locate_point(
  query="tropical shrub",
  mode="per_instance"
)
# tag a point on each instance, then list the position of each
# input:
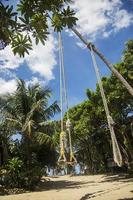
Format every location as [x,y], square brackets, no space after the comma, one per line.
[15,175]
[11,173]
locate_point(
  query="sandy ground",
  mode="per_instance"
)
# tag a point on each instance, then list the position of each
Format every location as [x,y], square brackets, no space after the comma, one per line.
[96,187]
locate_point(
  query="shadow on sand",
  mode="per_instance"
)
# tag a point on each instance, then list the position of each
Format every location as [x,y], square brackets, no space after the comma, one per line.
[126,199]
[61,184]
[110,178]
[90,195]
[119,177]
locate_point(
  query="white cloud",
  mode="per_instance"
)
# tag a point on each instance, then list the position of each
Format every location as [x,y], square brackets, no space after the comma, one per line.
[7,86]
[41,60]
[36,80]
[100,18]
[122,20]
[33,81]
[8,60]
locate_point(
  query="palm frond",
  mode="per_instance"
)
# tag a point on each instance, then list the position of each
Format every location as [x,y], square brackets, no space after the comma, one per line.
[51,110]
[42,138]
[13,122]
[44,123]
[35,107]
[27,127]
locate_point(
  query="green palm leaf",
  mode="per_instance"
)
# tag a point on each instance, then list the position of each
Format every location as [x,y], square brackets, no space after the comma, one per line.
[42,138]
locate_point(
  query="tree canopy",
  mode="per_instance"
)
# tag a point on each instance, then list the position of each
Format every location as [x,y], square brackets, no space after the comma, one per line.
[32,19]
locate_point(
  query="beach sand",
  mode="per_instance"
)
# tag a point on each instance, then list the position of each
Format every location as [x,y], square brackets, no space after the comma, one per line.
[96,187]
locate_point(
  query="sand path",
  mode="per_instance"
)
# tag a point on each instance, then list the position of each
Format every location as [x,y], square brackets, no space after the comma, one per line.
[96,187]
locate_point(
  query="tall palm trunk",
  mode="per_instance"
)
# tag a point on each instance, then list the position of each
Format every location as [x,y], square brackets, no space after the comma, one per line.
[109,65]
[5,152]
[27,150]
[1,155]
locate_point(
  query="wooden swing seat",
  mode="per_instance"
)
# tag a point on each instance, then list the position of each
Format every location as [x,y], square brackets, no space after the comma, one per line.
[62,162]
[72,163]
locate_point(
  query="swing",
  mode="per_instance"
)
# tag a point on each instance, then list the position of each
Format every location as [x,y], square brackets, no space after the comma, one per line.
[63,98]
[73,160]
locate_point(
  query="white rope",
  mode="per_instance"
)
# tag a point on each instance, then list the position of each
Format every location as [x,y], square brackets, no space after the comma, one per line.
[116,151]
[61,89]
[63,75]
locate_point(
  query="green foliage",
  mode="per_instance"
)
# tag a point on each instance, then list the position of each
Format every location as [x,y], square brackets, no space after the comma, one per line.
[33,18]
[12,173]
[8,24]
[46,155]
[21,44]
[68,17]
[64,19]
[57,22]
[128,54]
[27,112]
[15,175]
[32,177]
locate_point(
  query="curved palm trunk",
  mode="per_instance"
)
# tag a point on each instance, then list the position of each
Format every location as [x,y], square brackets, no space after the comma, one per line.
[109,65]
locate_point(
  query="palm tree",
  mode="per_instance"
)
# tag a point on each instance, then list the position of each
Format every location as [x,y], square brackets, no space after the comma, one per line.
[27,112]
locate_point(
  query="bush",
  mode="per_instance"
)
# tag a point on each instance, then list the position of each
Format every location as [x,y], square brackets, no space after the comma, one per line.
[11,173]
[16,175]
[32,177]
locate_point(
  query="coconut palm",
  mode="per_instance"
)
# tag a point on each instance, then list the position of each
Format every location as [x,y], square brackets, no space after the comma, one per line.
[27,112]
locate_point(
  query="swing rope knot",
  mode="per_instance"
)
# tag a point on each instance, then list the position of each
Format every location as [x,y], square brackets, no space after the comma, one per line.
[68,124]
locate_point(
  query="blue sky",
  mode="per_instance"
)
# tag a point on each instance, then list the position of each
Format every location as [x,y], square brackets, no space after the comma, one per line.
[109,24]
